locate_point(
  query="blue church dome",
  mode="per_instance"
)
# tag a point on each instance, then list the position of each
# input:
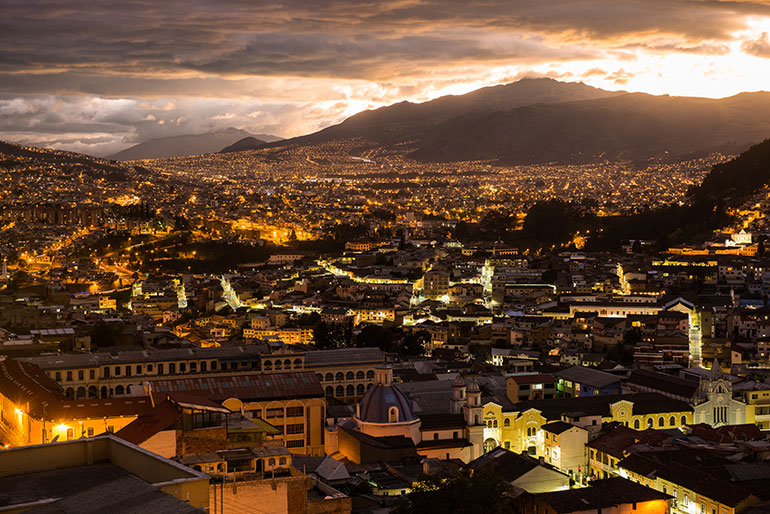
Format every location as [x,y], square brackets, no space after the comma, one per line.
[384,402]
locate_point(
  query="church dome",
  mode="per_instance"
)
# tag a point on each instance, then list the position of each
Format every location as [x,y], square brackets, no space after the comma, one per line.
[384,402]
[474,387]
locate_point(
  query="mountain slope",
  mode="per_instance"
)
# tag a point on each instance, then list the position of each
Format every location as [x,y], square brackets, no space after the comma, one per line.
[405,120]
[542,120]
[20,158]
[247,143]
[191,144]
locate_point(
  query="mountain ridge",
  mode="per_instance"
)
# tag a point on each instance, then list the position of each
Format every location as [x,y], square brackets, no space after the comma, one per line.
[185,145]
[546,121]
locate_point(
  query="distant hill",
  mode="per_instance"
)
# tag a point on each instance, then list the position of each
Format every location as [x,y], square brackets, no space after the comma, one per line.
[191,144]
[247,143]
[19,157]
[543,120]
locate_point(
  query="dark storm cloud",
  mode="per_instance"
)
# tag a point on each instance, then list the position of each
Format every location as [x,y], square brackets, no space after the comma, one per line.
[98,75]
[348,39]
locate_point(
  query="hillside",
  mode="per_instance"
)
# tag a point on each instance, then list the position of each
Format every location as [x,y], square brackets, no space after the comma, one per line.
[541,120]
[21,158]
[190,144]
[247,143]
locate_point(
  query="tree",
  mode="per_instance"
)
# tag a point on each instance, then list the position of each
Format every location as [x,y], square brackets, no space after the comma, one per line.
[482,493]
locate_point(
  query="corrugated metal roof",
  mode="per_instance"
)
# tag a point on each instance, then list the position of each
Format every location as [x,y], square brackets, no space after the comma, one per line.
[252,387]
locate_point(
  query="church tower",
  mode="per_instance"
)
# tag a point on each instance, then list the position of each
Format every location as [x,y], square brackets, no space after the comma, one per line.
[717,405]
[696,343]
[458,395]
[473,412]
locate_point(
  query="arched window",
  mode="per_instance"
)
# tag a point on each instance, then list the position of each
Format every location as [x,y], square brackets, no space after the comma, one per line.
[277,365]
[360,389]
[636,424]
[70,393]
[506,422]
[81,393]
[271,462]
[329,377]
[393,415]
[360,375]
[369,386]
[268,365]
[350,390]
[661,421]
[329,391]
[495,423]
[649,422]
[340,391]
[103,392]
[93,392]
[370,374]
[282,461]
[119,390]
[297,363]
[287,364]
[684,420]
[320,377]
[349,375]
[672,421]
[339,376]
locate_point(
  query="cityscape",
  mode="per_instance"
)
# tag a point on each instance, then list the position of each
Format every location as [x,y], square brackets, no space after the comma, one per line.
[400,257]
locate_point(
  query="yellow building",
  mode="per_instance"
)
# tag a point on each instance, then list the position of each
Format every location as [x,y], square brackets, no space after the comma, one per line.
[520,428]
[34,410]
[757,407]
[293,402]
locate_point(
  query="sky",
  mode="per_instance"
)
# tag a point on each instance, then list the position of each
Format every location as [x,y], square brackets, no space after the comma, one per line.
[97,76]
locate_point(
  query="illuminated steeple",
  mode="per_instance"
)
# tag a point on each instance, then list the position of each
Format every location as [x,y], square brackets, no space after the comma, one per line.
[695,339]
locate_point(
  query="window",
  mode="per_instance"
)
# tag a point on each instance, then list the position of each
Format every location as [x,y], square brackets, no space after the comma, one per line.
[92,374]
[329,377]
[182,367]
[661,421]
[213,365]
[329,391]
[110,429]
[81,376]
[70,434]
[297,443]
[106,372]
[203,366]
[256,413]
[69,376]
[672,421]
[193,367]
[58,376]
[370,374]
[495,423]
[350,390]
[454,435]
[90,431]
[435,435]
[636,424]
[297,363]
[360,375]
[295,411]
[172,367]
[684,420]
[349,375]
[393,415]
[149,368]
[340,391]
[506,422]
[339,376]
[360,389]
[649,422]
[271,462]
[274,413]
[160,369]
[128,371]
[282,461]
[296,428]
